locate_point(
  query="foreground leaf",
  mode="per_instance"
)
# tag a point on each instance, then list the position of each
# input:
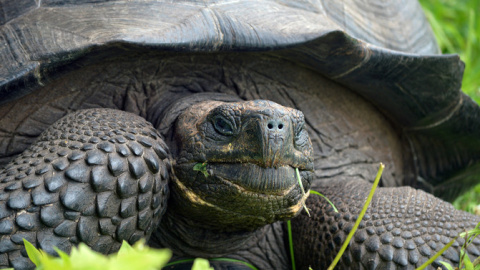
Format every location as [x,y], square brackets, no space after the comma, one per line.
[447,265]
[82,257]
[201,264]
[33,253]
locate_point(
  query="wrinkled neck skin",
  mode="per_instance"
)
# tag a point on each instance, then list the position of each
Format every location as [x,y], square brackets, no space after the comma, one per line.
[264,248]
[186,238]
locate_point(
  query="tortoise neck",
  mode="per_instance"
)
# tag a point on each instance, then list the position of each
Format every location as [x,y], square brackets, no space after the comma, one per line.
[187,239]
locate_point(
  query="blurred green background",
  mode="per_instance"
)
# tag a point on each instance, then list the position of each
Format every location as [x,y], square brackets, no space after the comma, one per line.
[456,24]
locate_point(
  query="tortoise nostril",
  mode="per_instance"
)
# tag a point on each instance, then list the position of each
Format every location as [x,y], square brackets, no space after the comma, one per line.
[275,125]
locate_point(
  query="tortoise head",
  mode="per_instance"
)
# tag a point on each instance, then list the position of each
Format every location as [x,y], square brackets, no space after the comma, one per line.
[236,164]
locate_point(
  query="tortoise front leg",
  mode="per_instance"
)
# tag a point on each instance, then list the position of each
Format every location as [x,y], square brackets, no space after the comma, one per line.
[402,228]
[97,176]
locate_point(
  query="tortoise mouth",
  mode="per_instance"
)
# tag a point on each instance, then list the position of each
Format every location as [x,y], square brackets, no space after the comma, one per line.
[251,177]
[248,177]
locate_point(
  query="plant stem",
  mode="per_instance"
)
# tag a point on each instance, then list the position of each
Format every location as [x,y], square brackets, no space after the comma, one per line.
[290,243]
[432,259]
[303,191]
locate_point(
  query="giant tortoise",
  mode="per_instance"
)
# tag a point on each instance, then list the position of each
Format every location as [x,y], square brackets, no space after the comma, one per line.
[184,122]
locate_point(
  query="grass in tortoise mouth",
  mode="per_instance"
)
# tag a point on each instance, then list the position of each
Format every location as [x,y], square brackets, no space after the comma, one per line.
[270,181]
[202,167]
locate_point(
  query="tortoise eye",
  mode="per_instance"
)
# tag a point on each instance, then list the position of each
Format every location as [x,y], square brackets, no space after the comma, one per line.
[222,126]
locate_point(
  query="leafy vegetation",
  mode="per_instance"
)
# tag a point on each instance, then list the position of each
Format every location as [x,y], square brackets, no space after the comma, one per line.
[138,256]
[456,25]
[470,201]
[201,167]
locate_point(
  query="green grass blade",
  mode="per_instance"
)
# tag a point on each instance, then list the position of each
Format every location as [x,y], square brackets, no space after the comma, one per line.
[439,31]
[359,219]
[323,196]
[289,224]
[290,243]
[476,263]
[178,262]
[470,37]
[303,191]
[234,260]
[432,259]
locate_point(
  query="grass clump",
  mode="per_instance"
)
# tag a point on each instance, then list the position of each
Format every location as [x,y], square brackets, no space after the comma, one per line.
[469,201]
[456,25]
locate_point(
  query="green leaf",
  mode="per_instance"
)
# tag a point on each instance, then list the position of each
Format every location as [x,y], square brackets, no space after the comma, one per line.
[63,259]
[33,253]
[467,262]
[201,167]
[83,257]
[61,254]
[476,263]
[447,265]
[53,263]
[148,261]
[125,248]
[139,256]
[201,264]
